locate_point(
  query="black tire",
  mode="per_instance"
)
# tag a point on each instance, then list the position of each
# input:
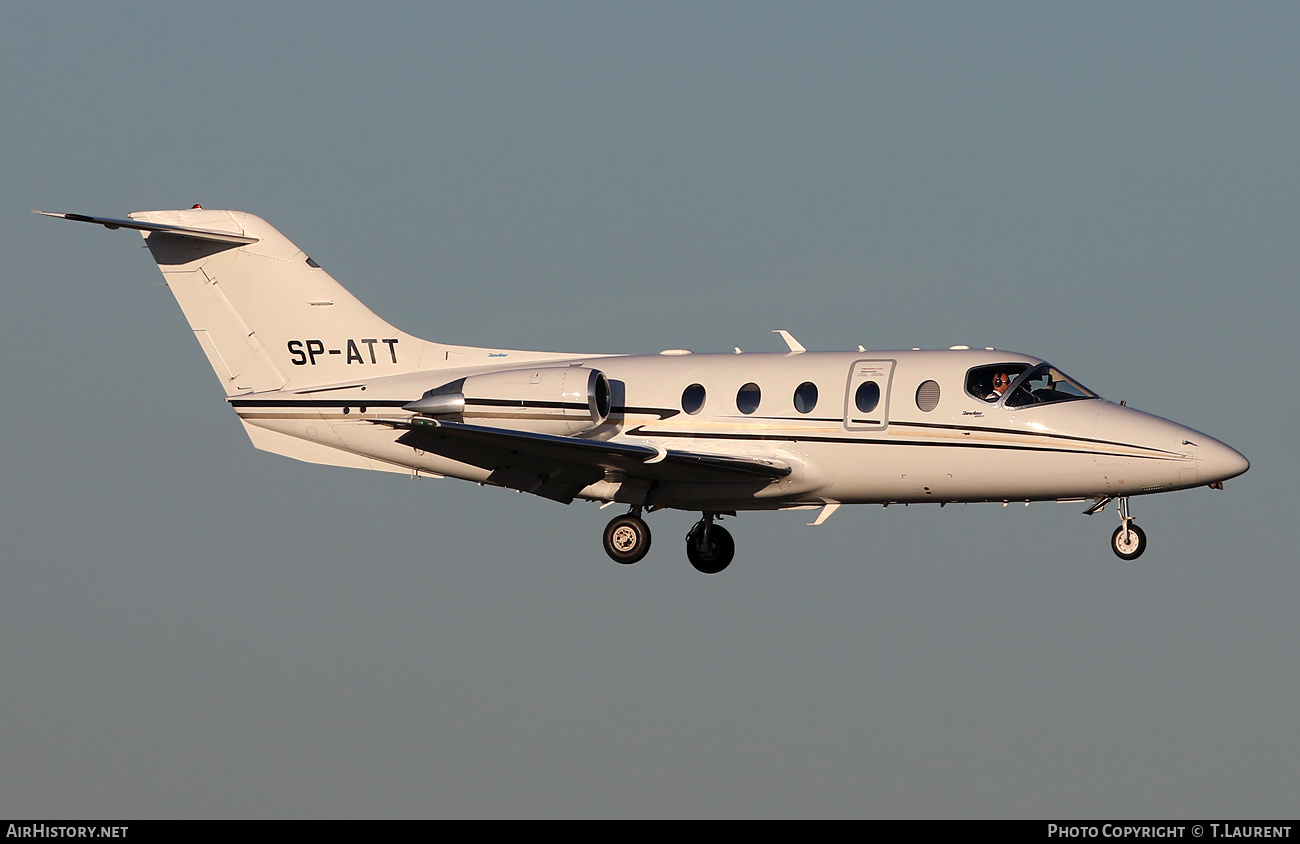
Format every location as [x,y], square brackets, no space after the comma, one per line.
[717,555]
[1130,547]
[627,540]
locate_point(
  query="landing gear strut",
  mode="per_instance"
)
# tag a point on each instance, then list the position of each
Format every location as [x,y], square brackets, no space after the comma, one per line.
[627,538]
[709,547]
[1128,541]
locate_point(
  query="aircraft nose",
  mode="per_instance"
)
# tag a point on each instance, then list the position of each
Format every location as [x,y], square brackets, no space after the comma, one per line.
[1218,461]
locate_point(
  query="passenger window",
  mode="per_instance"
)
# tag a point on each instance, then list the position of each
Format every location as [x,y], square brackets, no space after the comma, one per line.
[927,396]
[748,397]
[693,399]
[805,397]
[867,398]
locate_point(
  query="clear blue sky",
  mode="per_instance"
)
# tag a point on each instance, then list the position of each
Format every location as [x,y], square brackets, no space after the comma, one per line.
[189,627]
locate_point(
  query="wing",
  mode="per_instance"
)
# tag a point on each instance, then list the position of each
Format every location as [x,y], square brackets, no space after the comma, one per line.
[560,467]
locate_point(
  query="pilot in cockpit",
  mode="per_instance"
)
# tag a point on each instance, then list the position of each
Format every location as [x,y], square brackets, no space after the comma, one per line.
[1000,383]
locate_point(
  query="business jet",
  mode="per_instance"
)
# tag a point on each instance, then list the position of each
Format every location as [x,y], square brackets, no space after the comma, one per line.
[315,375]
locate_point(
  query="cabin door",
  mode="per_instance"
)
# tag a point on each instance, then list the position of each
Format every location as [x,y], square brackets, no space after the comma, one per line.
[866,401]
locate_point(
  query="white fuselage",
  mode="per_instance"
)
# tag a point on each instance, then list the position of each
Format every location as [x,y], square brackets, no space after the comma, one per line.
[917,444]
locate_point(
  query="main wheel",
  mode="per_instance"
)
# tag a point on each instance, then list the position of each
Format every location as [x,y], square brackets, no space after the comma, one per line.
[716,554]
[627,539]
[1128,545]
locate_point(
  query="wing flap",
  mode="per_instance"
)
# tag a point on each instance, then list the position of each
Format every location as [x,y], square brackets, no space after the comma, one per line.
[525,470]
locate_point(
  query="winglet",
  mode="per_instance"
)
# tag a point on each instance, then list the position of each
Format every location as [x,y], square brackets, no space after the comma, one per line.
[178,231]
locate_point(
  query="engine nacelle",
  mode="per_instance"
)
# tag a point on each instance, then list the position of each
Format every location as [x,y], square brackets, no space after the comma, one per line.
[564,400]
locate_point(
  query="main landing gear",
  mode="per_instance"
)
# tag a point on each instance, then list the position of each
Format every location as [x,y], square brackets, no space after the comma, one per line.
[627,538]
[709,547]
[1128,541]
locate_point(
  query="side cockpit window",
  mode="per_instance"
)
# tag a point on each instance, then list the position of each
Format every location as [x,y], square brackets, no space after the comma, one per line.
[1047,385]
[990,383]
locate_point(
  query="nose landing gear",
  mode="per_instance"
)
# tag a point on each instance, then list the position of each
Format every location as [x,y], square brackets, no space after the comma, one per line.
[1128,541]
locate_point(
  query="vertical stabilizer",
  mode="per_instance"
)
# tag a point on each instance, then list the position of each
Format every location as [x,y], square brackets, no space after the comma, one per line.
[265,314]
[269,318]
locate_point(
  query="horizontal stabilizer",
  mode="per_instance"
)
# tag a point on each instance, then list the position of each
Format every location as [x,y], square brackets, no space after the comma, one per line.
[178,231]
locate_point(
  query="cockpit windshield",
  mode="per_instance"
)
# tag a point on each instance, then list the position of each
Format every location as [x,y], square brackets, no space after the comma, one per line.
[1045,384]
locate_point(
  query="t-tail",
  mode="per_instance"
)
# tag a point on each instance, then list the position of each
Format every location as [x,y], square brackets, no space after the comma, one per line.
[268,317]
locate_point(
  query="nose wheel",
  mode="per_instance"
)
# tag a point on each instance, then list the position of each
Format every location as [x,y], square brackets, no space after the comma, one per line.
[1128,541]
[709,547]
[627,539]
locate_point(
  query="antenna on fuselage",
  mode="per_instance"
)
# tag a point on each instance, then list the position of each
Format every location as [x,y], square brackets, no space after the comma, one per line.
[795,346]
